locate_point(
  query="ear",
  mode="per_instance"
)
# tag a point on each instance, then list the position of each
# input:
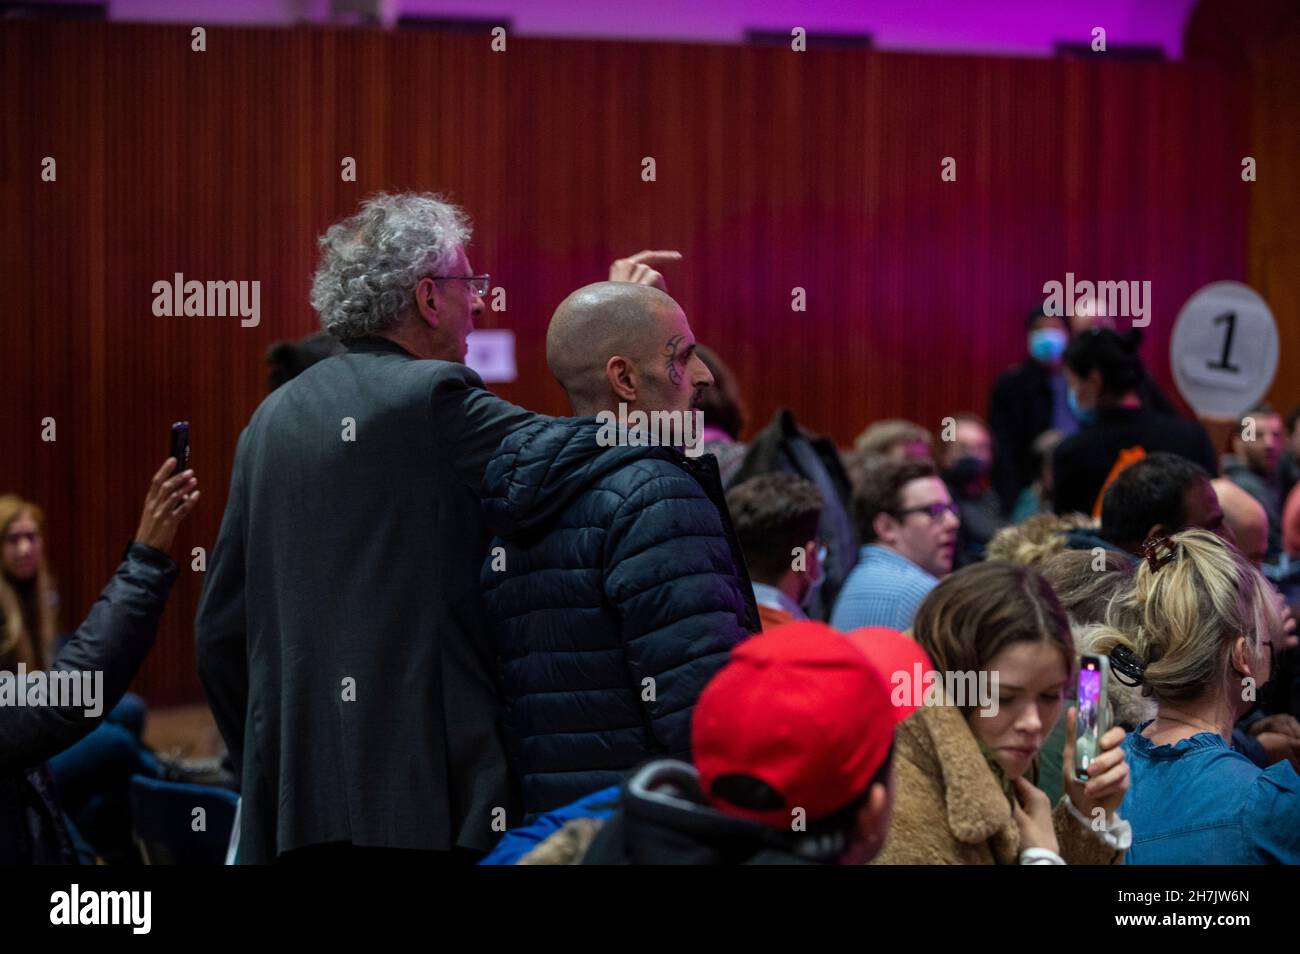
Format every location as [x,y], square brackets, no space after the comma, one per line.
[623,377]
[872,822]
[1243,661]
[426,301]
[886,526]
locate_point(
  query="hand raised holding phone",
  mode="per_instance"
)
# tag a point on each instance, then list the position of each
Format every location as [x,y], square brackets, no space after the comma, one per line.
[168,502]
[1107,773]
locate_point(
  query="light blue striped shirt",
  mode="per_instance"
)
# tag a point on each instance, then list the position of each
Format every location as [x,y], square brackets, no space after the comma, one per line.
[884,589]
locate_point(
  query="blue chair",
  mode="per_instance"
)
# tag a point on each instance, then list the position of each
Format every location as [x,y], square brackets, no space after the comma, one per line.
[162,816]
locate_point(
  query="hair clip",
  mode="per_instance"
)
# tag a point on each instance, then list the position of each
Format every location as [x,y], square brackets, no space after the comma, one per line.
[1159,551]
[1126,663]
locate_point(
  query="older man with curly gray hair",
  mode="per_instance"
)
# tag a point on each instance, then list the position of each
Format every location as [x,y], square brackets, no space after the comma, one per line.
[340,639]
[398,269]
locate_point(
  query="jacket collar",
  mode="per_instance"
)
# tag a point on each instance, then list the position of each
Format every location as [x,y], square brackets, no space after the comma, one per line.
[940,743]
[375,343]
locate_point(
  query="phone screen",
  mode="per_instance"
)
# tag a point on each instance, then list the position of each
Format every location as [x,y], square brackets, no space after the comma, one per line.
[1088,716]
[180,447]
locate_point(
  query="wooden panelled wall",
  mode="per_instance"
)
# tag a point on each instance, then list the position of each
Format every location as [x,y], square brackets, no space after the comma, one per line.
[774,170]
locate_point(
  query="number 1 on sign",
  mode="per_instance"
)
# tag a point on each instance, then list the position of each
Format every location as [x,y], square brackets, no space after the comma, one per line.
[1223,364]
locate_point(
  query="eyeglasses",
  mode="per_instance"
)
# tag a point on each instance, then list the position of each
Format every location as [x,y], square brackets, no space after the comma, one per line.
[478,284]
[934,511]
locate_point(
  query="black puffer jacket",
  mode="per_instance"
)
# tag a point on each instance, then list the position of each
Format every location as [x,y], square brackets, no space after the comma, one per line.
[615,566]
[664,819]
[113,640]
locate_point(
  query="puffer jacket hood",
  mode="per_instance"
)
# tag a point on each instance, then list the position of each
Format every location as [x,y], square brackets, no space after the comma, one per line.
[666,819]
[540,469]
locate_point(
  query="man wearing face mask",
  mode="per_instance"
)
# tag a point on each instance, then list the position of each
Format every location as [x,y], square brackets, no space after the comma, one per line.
[966,463]
[1027,400]
[776,517]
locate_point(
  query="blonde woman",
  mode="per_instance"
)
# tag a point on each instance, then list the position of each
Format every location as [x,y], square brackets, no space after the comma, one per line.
[1202,622]
[27,597]
[964,791]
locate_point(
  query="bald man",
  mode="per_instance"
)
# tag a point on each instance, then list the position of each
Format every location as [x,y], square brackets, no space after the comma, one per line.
[1245,517]
[614,586]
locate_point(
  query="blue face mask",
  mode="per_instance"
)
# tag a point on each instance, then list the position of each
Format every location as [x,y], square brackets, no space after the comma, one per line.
[1084,416]
[1046,345]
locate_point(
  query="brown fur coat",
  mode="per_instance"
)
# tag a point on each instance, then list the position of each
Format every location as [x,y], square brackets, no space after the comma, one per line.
[950,810]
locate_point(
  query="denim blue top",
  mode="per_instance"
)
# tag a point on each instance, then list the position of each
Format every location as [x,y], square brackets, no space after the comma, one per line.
[1198,802]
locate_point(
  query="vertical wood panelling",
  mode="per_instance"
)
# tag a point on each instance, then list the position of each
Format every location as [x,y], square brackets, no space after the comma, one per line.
[775,170]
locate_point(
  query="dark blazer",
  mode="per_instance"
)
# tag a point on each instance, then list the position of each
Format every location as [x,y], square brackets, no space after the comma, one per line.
[114,639]
[1020,409]
[340,635]
[617,565]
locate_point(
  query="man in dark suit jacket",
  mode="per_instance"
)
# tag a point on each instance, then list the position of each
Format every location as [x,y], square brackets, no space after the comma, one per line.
[340,634]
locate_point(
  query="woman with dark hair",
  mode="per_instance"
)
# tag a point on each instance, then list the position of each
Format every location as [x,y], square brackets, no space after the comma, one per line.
[1106,382]
[965,768]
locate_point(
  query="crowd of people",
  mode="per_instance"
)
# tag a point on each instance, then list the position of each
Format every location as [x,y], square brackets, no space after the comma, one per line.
[441,627]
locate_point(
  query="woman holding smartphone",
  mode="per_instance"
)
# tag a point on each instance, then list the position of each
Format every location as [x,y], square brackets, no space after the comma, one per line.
[964,791]
[112,641]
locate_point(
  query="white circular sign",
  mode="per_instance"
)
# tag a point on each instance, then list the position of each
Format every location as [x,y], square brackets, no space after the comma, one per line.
[1224,350]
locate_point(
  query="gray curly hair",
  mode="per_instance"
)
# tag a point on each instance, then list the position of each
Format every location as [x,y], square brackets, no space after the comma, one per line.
[370,263]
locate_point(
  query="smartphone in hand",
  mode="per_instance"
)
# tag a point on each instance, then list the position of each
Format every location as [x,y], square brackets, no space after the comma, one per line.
[180,448]
[1092,717]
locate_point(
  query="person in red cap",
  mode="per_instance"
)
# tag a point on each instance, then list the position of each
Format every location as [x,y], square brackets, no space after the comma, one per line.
[792,744]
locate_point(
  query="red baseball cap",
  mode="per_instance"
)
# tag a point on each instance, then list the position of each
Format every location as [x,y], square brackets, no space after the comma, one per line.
[806,710]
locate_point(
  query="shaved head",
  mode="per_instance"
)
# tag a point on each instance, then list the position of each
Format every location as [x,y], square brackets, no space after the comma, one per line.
[1246,517]
[605,320]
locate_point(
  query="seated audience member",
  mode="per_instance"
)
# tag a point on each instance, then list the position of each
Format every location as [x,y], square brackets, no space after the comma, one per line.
[1291,524]
[1039,538]
[963,778]
[1263,736]
[786,446]
[614,586]
[1028,400]
[776,516]
[1245,518]
[966,463]
[1037,497]
[724,416]
[1289,466]
[752,798]
[1253,466]
[1208,620]
[1105,376]
[1158,495]
[908,525]
[28,598]
[889,440]
[113,641]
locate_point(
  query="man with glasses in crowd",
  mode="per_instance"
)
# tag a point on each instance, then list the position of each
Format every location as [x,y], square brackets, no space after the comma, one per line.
[908,523]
